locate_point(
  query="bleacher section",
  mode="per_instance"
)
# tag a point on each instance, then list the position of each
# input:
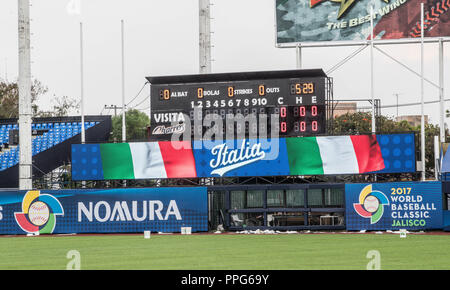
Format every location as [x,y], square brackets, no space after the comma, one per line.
[51,141]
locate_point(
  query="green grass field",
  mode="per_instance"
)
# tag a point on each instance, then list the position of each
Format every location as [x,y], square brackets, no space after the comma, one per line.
[227,252]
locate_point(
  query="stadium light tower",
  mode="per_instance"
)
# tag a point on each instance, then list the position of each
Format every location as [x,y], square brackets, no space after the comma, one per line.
[25,113]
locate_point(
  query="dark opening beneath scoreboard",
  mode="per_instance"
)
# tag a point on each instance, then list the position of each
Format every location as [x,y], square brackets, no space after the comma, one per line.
[291,103]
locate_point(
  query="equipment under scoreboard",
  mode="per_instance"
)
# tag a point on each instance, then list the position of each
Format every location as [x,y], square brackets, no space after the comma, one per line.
[293,103]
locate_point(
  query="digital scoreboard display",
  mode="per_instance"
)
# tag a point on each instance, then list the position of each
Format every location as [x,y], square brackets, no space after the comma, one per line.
[291,106]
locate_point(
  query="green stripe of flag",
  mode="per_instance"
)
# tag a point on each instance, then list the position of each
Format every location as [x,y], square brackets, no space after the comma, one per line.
[304,156]
[117,161]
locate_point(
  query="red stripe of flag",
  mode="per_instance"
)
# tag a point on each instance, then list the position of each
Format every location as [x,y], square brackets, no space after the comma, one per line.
[178,159]
[368,153]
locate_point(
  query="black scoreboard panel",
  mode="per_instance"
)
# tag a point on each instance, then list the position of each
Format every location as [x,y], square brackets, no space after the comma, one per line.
[299,103]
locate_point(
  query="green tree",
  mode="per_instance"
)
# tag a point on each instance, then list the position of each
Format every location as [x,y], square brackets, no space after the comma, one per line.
[136,126]
[9,98]
[9,101]
[62,106]
[361,122]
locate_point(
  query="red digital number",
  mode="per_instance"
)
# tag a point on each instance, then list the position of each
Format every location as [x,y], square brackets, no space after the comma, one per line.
[314,111]
[302,111]
[283,112]
[303,126]
[314,126]
[283,127]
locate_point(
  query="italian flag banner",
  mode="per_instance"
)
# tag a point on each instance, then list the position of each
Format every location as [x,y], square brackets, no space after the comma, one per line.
[323,155]
[334,155]
[147,160]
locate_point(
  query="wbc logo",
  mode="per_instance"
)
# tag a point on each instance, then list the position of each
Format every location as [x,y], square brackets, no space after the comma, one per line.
[39,213]
[371,204]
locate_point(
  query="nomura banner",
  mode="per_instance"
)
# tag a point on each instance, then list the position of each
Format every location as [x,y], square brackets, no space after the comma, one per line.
[393,206]
[303,21]
[130,210]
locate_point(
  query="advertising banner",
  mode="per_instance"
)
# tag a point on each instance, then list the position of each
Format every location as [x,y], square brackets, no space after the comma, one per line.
[321,155]
[130,210]
[394,206]
[349,20]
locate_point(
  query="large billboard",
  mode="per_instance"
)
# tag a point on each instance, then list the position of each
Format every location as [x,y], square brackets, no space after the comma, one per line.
[394,206]
[321,155]
[305,21]
[130,210]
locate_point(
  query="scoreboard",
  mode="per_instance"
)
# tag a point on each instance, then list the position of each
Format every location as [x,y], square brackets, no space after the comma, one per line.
[240,104]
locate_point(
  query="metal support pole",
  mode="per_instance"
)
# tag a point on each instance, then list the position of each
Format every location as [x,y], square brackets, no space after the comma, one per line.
[422,119]
[441,91]
[83,134]
[124,128]
[371,72]
[6,70]
[436,158]
[408,68]
[397,105]
[204,36]
[298,54]
[24,84]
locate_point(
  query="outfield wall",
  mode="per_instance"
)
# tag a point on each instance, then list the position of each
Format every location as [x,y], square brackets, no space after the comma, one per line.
[377,206]
[368,206]
[104,211]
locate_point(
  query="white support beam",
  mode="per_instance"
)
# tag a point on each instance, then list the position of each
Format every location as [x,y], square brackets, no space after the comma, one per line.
[124,127]
[25,112]
[422,119]
[441,92]
[298,54]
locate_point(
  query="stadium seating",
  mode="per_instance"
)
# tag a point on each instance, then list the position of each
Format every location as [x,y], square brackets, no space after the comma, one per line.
[54,133]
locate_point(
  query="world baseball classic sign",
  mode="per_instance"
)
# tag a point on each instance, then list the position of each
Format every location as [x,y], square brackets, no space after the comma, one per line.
[393,206]
[349,20]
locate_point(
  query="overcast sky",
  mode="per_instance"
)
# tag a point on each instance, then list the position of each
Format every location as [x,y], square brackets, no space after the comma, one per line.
[161,38]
